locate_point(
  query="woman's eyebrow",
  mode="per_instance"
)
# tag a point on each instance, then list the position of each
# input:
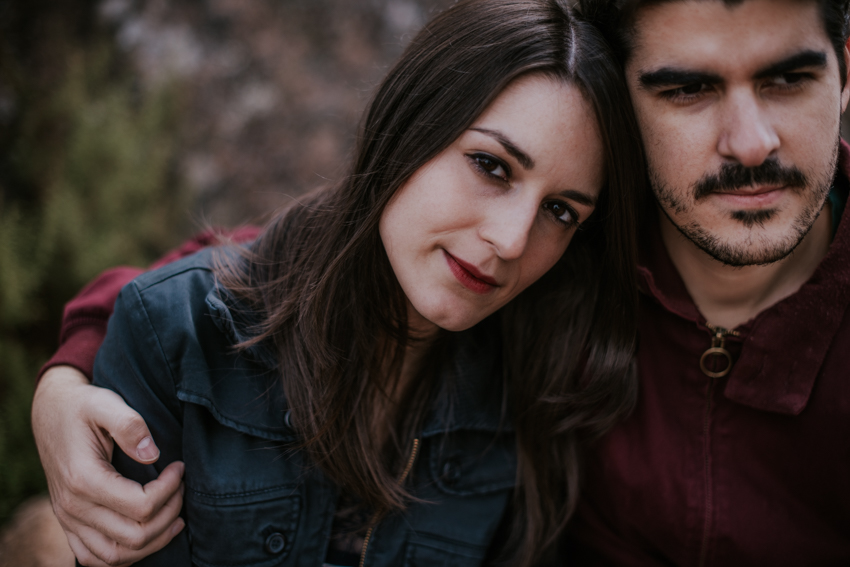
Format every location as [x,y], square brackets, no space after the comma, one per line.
[579,197]
[523,158]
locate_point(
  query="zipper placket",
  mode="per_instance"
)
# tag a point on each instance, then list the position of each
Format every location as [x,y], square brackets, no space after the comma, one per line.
[401,479]
[709,500]
[717,348]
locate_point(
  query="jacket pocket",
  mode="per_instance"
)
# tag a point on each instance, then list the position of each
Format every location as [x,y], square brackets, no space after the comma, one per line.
[423,551]
[250,529]
[470,463]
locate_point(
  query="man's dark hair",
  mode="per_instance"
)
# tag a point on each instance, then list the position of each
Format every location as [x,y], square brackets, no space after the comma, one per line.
[616,19]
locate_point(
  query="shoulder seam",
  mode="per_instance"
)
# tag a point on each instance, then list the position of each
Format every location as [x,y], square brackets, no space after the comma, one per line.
[152,328]
[164,273]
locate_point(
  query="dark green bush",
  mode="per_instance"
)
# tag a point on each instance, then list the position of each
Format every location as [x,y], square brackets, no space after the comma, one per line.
[87,181]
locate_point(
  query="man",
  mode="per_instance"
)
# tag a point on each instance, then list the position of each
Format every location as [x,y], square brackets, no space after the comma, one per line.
[739,450]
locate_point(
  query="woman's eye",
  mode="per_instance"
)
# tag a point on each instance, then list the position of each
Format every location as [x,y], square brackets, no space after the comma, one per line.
[562,212]
[491,166]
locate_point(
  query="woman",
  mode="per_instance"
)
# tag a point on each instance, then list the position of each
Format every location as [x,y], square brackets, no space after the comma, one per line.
[407,362]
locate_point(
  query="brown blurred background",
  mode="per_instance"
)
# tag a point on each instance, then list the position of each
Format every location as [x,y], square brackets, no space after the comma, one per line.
[273,90]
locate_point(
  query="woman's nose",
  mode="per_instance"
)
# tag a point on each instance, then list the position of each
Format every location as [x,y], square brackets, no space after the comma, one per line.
[507,228]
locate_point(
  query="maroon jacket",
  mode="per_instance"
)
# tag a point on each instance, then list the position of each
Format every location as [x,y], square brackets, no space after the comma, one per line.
[749,469]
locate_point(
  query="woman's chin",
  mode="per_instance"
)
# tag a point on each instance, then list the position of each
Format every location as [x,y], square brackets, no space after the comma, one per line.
[455,322]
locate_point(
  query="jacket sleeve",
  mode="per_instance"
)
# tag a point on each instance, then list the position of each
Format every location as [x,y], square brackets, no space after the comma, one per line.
[86,315]
[132,363]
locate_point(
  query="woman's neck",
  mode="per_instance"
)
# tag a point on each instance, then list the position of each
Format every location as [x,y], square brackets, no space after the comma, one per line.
[420,341]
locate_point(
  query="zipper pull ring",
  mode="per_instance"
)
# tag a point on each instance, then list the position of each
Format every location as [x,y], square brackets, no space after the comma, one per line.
[717,349]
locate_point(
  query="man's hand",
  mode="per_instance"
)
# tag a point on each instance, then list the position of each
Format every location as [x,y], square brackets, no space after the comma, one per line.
[109,520]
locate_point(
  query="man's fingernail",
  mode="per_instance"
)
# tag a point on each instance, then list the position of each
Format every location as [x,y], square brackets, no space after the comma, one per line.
[146,450]
[177,526]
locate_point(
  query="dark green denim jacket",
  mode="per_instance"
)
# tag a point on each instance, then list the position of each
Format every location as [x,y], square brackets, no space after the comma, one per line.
[251,498]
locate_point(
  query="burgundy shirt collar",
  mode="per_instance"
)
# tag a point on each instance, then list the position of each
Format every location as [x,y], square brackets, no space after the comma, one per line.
[785,345]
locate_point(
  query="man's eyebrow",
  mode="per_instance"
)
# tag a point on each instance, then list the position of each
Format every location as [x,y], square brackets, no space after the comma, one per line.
[805,59]
[672,77]
[579,197]
[523,158]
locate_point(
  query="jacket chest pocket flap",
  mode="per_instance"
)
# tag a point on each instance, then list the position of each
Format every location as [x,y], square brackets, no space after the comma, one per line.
[423,552]
[469,463]
[254,529]
[475,472]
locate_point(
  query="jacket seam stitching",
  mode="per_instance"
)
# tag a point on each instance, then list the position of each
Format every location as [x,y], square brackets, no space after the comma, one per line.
[156,337]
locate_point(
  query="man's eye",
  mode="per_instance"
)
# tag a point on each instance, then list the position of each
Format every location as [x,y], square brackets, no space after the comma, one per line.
[693,89]
[686,92]
[788,79]
[490,165]
[562,212]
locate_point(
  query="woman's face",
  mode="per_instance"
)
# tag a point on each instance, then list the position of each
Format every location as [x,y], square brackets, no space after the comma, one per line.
[491,213]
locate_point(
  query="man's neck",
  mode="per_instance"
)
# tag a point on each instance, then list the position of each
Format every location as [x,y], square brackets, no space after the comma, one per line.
[729,296]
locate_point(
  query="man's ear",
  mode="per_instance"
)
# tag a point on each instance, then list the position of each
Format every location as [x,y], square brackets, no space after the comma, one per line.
[845,92]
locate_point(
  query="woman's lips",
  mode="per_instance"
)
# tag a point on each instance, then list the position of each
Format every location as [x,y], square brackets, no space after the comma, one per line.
[470,276]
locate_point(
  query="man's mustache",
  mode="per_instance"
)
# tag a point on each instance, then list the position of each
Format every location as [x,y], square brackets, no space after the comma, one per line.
[734,176]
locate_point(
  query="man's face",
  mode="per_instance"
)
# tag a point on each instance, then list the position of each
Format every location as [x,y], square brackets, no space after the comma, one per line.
[739,108]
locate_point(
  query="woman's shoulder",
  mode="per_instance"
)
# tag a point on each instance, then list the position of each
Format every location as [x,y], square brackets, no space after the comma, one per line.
[188,277]
[180,328]
[170,305]
[184,303]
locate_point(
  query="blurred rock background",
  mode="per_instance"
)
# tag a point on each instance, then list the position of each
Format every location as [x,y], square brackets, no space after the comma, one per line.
[128,125]
[272,90]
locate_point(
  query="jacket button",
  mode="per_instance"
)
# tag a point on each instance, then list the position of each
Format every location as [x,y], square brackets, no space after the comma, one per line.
[275,543]
[287,419]
[451,472]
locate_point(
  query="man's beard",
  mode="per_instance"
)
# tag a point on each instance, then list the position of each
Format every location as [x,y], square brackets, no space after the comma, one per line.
[757,249]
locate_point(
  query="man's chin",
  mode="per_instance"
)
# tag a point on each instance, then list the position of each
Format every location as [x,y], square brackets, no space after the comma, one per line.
[755,218]
[755,245]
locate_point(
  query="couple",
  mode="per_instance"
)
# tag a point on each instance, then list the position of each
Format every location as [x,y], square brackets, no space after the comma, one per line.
[414,366]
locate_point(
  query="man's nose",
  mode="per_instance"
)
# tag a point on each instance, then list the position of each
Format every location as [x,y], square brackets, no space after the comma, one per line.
[508,227]
[747,134]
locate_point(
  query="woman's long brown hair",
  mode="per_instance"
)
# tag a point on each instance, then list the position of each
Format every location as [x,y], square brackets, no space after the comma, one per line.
[331,305]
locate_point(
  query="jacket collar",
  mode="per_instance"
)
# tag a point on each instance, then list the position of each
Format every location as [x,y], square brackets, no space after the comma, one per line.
[471,387]
[470,384]
[784,346]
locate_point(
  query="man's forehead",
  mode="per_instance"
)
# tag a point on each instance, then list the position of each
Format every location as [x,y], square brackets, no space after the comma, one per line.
[744,36]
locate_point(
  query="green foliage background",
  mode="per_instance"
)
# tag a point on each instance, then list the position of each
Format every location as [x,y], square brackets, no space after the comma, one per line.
[87,181]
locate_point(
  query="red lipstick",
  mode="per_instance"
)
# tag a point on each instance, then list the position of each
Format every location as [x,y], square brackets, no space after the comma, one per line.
[470,276]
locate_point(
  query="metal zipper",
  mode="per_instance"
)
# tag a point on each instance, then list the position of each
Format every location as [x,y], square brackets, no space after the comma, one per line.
[717,348]
[401,479]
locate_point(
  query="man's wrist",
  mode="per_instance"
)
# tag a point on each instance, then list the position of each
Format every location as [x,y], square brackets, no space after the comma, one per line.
[60,376]
[78,350]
